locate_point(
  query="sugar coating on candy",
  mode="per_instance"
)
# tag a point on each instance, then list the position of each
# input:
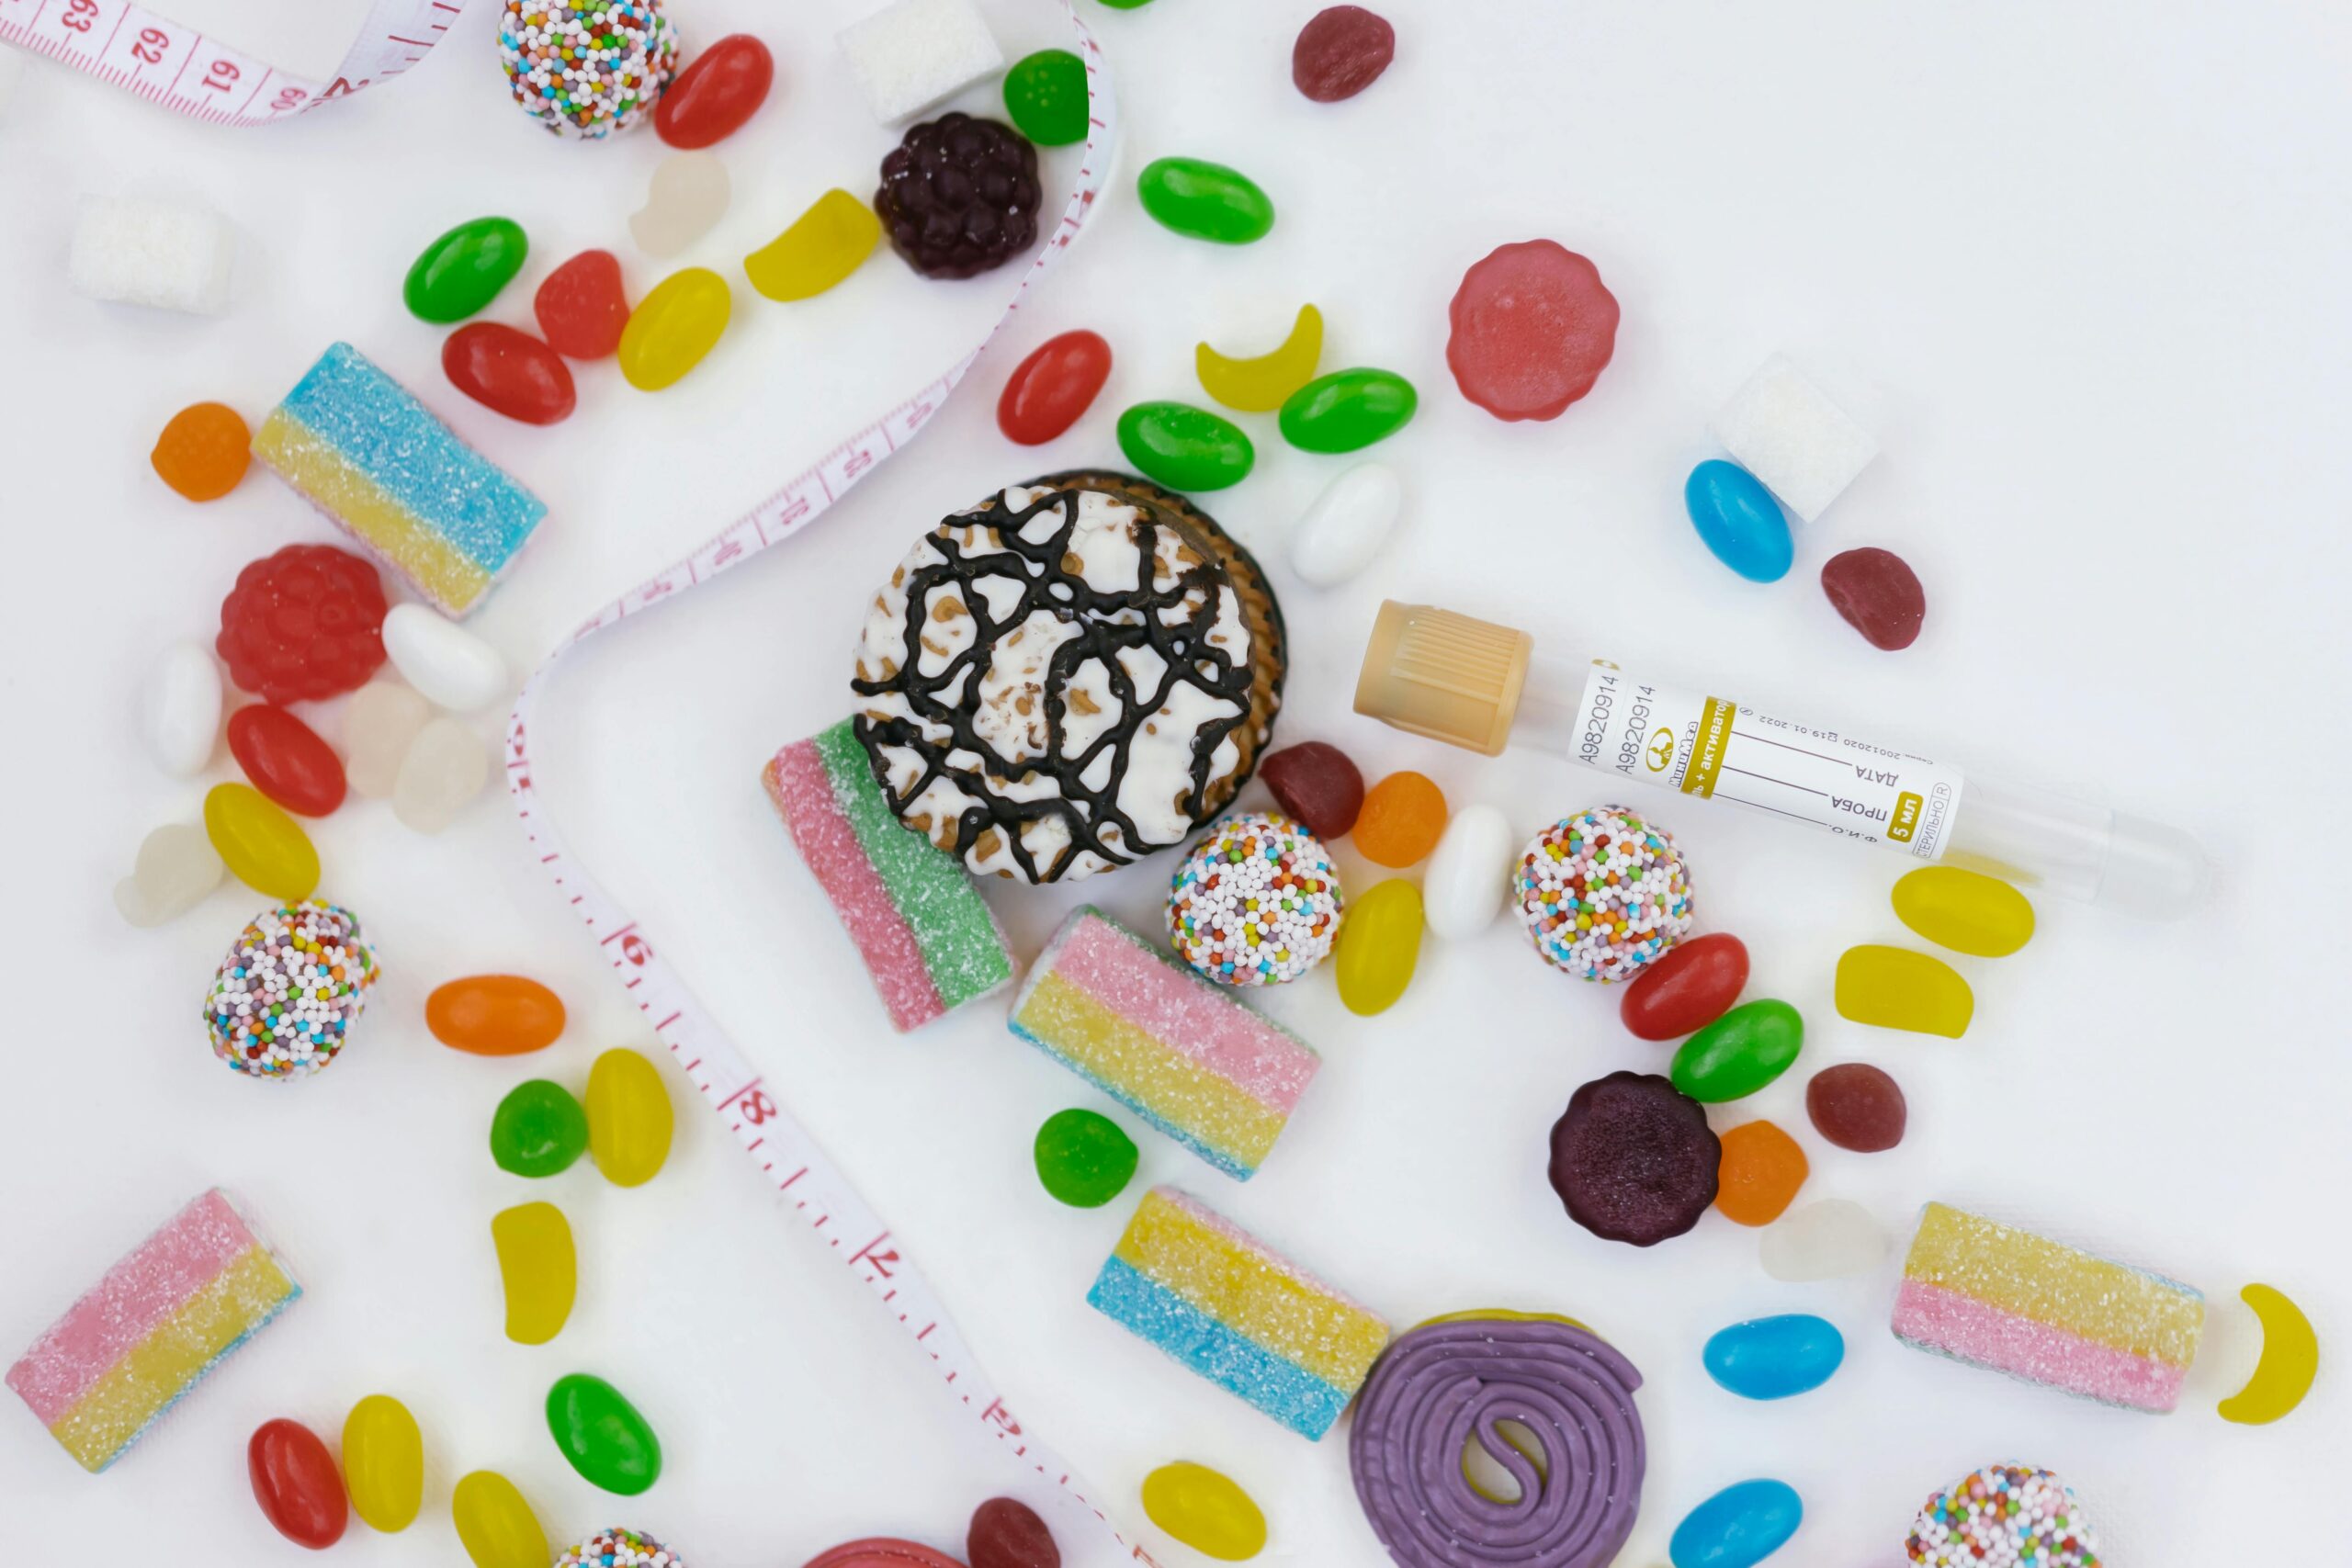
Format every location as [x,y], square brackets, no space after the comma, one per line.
[2004,1516]
[619,1547]
[1532,329]
[169,255]
[912,55]
[587,68]
[1787,432]
[1256,902]
[1633,1160]
[144,1334]
[283,1002]
[1241,1314]
[1992,1296]
[1602,894]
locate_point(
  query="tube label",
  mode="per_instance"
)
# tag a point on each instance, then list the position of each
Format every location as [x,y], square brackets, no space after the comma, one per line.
[1723,750]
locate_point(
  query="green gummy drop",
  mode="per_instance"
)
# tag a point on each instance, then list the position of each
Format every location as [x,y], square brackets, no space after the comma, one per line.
[1206,200]
[538,1130]
[464,269]
[1348,410]
[1046,94]
[1185,448]
[1083,1158]
[603,1436]
[1126,4]
[1739,1052]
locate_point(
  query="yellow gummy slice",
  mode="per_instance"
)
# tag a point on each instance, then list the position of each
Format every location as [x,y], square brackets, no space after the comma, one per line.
[538,1267]
[2290,1360]
[1965,910]
[1265,383]
[1896,989]
[824,247]
[2052,1283]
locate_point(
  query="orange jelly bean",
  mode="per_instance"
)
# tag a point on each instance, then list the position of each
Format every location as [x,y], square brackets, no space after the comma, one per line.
[1762,1168]
[203,451]
[494,1015]
[1402,819]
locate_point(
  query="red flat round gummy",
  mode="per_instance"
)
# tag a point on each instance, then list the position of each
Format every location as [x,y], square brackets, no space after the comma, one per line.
[1340,52]
[509,372]
[285,760]
[1533,328]
[581,307]
[1317,784]
[711,99]
[1050,390]
[1634,1160]
[1857,1106]
[1008,1534]
[1878,593]
[1688,989]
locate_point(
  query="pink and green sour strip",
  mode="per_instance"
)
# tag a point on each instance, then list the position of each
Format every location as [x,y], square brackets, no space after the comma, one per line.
[928,938]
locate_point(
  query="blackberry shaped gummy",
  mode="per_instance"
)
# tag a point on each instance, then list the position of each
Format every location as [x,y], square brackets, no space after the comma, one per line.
[959,196]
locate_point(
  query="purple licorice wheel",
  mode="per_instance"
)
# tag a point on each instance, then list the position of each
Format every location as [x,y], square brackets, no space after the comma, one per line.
[1440,1386]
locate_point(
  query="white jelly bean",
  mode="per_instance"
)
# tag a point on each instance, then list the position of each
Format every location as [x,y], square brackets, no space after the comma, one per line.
[178,866]
[446,766]
[380,723]
[1347,524]
[452,668]
[1469,873]
[1829,1240]
[179,709]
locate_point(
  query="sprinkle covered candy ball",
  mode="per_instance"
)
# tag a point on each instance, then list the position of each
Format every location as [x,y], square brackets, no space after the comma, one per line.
[1256,902]
[618,1548]
[587,68]
[1604,893]
[285,998]
[2005,1516]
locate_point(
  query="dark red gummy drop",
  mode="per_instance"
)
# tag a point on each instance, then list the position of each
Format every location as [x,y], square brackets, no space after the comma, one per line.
[1317,784]
[1533,328]
[1007,1534]
[1340,52]
[1878,593]
[581,307]
[1634,1160]
[1688,989]
[1857,1106]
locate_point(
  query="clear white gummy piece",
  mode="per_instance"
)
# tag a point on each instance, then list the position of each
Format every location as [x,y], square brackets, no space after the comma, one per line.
[1787,432]
[688,195]
[1832,1239]
[445,767]
[178,866]
[917,53]
[173,256]
[380,723]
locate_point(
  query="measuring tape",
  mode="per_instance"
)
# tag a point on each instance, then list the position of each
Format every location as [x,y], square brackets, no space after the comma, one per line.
[822,1197]
[181,69]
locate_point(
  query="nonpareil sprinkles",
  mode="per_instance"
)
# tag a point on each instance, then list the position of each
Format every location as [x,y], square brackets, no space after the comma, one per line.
[284,1000]
[1603,894]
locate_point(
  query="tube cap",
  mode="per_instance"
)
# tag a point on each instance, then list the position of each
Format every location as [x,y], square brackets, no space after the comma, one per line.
[1431,672]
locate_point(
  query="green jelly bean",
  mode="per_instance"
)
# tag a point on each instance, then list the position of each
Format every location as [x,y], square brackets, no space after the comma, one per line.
[538,1129]
[1206,200]
[1083,1158]
[1184,447]
[1126,4]
[1348,410]
[465,268]
[604,1437]
[1046,94]
[1739,1052]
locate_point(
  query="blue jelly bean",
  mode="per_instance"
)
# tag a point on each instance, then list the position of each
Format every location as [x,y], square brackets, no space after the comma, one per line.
[1738,519]
[1738,1526]
[1772,1357]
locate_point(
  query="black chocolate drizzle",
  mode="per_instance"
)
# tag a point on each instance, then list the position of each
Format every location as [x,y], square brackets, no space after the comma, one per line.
[1185,650]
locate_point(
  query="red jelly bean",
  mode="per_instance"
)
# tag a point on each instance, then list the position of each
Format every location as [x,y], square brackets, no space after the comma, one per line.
[285,760]
[1688,989]
[1878,593]
[1317,784]
[712,96]
[1533,328]
[1341,52]
[296,1484]
[1008,1534]
[581,307]
[509,371]
[1857,1106]
[1053,386]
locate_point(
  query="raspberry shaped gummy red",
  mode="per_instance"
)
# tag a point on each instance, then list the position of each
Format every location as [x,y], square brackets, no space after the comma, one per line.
[959,196]
[303,624]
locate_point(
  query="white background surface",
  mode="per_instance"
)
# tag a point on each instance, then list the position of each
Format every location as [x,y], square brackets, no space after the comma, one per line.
[2087,262]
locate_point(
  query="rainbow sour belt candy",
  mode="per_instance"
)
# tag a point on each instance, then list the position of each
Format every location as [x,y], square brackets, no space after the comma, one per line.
[1178,1051]
[373,458]
[144,1334]
[2043,1312]
[1249,1320]
[927,936]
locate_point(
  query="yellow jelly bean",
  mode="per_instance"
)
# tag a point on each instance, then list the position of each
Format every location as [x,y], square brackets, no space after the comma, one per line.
[1380,940]
[1965,910]
[1896,989]
[673,327]
[538,1267]
[383,1462]
[1265,383]
[628,1117]
[496,1526]
[2290,1360]
[1204,1510]
[824,247]
[263,847]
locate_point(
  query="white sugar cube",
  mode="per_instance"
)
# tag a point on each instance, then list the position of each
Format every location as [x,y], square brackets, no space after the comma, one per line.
[916,53]
[145,251]
[1786,431]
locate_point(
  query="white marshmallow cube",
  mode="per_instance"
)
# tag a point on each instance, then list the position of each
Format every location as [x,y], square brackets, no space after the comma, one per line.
[144,251]
[914,54]
[1787,432]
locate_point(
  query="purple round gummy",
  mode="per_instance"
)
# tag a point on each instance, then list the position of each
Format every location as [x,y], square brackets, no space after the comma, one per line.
[1447,1384]
[1633,1160]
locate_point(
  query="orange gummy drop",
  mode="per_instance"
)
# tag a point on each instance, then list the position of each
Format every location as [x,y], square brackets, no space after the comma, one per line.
[203,451]
[1402,817]
[494,1015]
[1762,1168]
